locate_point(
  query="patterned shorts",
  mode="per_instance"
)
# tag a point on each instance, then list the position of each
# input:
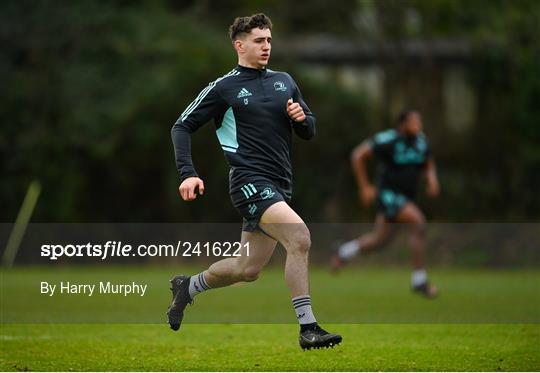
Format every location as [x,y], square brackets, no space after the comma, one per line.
[390,203]
[251,196]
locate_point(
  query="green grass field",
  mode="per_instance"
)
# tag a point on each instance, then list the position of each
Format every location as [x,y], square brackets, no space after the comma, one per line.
[268,347]
[483,320]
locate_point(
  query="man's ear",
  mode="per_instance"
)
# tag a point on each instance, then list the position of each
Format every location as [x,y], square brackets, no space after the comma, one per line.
[238,45]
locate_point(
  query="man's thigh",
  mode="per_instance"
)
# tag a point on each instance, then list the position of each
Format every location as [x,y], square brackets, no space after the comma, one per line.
[383,229]
[410,214]
[282,223]
[256,249]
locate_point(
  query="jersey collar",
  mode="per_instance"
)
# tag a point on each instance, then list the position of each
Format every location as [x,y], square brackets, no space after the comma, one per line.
[251,70]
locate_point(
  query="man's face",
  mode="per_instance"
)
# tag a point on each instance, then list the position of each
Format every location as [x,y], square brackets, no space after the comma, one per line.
[413,124]
[254,48]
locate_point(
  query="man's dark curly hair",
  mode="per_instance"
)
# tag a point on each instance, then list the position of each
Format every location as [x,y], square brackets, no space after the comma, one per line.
[244,25]
[404,115]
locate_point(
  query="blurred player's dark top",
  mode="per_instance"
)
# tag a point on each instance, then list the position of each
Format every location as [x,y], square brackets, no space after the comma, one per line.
[248,107]
[402,160]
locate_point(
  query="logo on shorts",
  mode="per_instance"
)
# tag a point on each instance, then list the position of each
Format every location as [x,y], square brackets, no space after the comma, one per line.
[252,208]
[280,86]
[267,193]
[248,190]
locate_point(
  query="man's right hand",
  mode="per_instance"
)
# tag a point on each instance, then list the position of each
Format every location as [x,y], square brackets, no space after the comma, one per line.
[367,194]
[188,186]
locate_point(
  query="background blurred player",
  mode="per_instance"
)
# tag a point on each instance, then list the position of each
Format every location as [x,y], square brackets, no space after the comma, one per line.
[404,155]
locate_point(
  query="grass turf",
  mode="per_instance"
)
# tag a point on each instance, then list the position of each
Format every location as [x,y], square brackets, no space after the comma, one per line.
[484,320]
[356,295]
[269,347]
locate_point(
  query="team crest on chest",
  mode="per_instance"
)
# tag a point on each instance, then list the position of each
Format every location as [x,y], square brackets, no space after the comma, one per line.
[280,86]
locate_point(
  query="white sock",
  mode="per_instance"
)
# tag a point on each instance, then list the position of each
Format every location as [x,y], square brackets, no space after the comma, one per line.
[349,249]
[197,284]
[418,277]
[302,307]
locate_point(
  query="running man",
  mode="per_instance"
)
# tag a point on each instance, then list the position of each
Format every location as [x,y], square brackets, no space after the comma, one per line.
[404,155]
[255,111]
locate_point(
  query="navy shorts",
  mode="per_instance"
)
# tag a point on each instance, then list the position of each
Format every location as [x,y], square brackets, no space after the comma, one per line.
[252,195]
[390,203]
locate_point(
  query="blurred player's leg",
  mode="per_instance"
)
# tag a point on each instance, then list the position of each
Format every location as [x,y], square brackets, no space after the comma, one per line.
[381,234]
[411,215]
[282,223]
[223,273]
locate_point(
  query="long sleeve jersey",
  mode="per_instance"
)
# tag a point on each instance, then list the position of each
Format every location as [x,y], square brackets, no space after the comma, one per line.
[248,107]
[402,160]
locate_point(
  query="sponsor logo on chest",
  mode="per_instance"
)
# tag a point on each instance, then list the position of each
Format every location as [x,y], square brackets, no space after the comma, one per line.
[244,93]
[408,155]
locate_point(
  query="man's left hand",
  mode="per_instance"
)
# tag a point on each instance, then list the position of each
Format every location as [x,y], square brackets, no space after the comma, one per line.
[295,111]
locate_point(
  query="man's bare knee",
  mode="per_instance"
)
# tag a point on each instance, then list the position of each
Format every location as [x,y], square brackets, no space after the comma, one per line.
[300,242]
[380,241]
[251,273]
